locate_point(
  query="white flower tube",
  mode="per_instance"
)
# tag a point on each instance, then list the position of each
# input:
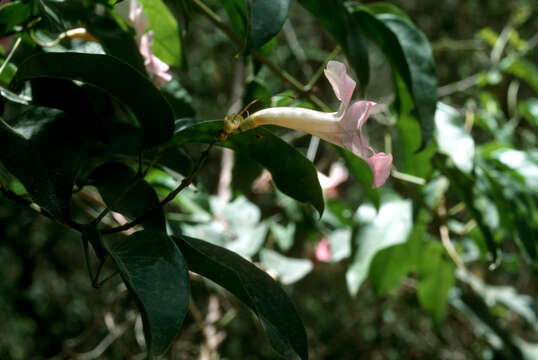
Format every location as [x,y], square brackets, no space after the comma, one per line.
[339,128]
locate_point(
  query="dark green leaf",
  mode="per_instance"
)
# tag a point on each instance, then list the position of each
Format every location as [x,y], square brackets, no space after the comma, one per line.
[155,271]
[113,179]
[264,20]
[62,15]
[116,41]
[178,98]
[410,55]
[14,14]
[255,288]
[45,153]
[436,277]
[167,41]
[292,172]
[115,78]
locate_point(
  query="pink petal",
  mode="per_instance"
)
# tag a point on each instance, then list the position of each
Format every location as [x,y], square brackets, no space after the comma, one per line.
[146,45]
[343,85]
[137,17]
[380,164]
[323,250]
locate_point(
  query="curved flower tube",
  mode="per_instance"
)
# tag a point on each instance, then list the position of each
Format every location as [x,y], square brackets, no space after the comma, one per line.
[339,128]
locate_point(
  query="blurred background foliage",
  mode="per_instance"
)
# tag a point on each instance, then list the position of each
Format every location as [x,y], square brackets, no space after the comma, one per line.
[414,280]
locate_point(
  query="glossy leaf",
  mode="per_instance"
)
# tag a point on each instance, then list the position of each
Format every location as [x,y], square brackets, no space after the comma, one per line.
[113,179]
[155,271]
[292,172]
[47,172]
[112,76]
[410,55]
[167,41]
[265,18]
[388,226]
[254,288]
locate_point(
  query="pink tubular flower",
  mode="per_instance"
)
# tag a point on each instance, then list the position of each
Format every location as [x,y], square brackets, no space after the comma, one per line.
[154,65]
[339,128]
[134,16]
[329,184]
[323,250]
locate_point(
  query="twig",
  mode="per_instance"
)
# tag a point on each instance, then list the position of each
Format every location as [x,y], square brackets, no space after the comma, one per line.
[184,183]
[10,55]
[458,86]
[295,84]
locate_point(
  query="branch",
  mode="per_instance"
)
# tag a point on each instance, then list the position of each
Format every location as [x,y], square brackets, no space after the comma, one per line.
[186,182]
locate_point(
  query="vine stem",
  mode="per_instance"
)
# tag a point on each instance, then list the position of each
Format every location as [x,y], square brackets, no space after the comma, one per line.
[184,183]
[125,191]
[284,75]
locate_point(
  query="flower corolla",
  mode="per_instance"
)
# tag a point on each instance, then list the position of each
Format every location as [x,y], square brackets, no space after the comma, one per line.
[339,128]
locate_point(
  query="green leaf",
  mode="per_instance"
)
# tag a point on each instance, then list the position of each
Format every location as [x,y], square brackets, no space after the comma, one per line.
[378,8]
[288,270]
[113,179]
[391,265]
[388,226]
[293,173]
[178,98]
[436,278]
[236,15]
[14,14]
[529,110]
[116,41]
[362,172]
[155,271]
[167,41]
[410,55]
[521,68]
[254,288]
[112,76]
[62,15]
[453,139]
[336,18]
[45,156]
[264,20]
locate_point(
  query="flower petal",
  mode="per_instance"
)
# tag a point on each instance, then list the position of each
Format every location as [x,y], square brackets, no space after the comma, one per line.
[323,250]
[342,84]
[380,164]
